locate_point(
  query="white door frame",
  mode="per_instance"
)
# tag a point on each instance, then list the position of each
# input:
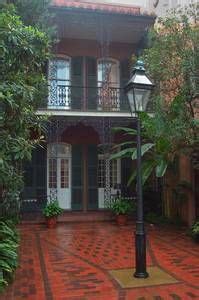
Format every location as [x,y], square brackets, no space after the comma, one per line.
[59,152]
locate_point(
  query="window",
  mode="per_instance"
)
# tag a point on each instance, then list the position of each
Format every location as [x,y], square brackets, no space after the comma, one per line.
[52,173]
[59,83]
[108,84]
[64,173]
[108,72]
[55,150]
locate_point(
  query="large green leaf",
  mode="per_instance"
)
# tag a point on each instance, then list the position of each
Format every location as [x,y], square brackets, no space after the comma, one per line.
[126,130]
[147,168]
[161,168]
[132,177]
[124,144]
[4,265]
[123,153]
[144,148]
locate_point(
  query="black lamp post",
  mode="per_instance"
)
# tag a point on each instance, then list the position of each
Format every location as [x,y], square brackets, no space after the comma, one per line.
[138,90]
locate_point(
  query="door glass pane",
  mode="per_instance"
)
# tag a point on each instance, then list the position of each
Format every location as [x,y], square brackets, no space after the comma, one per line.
[64,173]
[52,182]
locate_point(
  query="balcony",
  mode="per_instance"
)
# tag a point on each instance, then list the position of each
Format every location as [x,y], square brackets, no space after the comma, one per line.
[78,98]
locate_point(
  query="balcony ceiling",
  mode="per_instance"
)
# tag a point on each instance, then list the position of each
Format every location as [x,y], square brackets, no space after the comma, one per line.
[77,24]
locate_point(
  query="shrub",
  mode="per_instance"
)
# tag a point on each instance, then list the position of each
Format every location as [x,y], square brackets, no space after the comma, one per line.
[9,242]
[195,230]
[122,206]
[52,209]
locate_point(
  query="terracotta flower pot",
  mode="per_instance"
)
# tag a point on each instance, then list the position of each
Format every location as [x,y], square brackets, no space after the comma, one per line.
[51,222]
[121,220]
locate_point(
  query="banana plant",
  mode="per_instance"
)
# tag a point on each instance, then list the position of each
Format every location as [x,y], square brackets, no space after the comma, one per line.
[163,138]
[148,151]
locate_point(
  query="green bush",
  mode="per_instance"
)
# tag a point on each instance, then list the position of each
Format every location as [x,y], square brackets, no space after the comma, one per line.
[52,209]
[122,206]
[195,229]
[9,242]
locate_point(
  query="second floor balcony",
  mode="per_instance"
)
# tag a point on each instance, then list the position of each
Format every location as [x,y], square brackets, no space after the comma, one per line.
[102,98]
[87,84]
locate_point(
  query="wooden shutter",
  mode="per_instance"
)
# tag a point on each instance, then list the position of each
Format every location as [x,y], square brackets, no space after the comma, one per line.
[91,71]
[126,171]
[124,78]
[35,179]
[77,177]
[77,82]
[92,177]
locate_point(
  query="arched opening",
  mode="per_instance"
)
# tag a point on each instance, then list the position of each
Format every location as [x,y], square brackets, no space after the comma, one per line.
[80,134]
[84,186]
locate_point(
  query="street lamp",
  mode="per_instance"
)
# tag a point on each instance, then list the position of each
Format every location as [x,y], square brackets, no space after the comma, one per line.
[138,90]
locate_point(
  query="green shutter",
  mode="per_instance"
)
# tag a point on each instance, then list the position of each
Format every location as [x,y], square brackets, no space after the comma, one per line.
[124,78]
[92,177]
[126,171]
[35,179]
[77,177]
[77,82]
[91,71]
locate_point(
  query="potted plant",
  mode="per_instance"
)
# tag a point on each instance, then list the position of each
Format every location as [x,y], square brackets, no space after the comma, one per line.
[51,212]
[121,207]
[195,231]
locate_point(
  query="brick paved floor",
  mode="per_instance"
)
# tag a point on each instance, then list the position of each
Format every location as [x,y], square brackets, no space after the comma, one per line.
[72,262]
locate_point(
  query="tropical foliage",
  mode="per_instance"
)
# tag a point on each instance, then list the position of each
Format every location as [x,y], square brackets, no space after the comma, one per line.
[24,51]
[121,206]
[195,229]
[8,252]
[52,209]
[173,62]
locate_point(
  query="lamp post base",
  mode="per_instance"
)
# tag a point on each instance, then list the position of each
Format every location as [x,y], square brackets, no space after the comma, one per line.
[141,275]
[140,247]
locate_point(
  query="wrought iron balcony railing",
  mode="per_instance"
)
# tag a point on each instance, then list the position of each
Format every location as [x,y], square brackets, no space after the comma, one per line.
[78,98]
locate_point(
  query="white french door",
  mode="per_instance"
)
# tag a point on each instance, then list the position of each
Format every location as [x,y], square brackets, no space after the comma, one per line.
[59,83]
[114,178]
[59,174]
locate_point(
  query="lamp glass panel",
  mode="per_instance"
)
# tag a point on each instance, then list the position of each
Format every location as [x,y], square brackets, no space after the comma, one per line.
[130,95]
[141,98]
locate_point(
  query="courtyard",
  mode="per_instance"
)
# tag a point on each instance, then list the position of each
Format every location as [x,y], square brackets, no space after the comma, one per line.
[77,261]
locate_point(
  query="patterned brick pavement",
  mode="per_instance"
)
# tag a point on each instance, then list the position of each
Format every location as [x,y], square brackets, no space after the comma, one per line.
[72,262]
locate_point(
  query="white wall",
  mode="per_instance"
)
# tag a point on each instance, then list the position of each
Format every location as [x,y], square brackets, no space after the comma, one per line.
[144,4]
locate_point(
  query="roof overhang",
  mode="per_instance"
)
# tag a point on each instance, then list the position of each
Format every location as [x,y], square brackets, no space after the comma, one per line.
[81,23]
